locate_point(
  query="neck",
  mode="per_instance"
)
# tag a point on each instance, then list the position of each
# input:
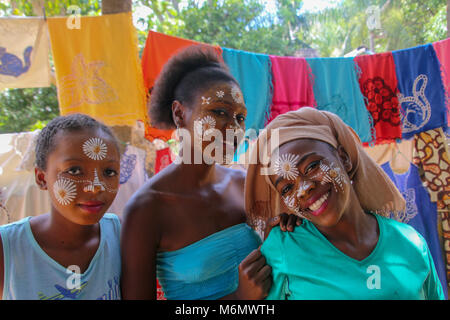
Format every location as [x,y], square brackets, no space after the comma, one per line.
[353,227]
[68,233]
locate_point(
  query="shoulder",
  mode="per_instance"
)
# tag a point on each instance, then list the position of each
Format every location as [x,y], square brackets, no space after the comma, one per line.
[10,227]
[237,175]
[403,234]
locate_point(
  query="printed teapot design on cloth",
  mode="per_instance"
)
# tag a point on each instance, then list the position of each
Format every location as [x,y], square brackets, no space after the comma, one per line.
[12,65]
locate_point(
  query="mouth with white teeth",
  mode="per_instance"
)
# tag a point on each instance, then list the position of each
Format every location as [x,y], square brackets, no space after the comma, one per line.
[318,206]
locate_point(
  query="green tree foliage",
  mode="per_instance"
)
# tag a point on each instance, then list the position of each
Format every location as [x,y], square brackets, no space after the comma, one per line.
[404,23]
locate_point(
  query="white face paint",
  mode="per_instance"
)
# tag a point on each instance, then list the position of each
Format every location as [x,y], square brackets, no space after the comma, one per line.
[95,149]
[203,125]
[237,94]
[88,185]
[64,190]
[304,186]
[95,184]
[220,94]
[206,100]
[286,166]
[291,203]
[332,174]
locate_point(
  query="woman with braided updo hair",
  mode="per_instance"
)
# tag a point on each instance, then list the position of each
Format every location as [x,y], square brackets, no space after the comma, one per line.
[187,225]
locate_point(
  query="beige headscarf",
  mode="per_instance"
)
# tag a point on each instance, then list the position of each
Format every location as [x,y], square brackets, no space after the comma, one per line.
[376,192]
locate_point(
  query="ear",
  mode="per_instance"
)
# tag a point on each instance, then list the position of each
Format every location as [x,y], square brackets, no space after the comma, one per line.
[345,158]
[178,114]
[39,176]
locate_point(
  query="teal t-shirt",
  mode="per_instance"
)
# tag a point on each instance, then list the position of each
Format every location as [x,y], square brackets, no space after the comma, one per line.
[305,265]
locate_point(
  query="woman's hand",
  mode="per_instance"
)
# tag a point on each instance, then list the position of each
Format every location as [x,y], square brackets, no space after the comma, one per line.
[286,221]
[255,277]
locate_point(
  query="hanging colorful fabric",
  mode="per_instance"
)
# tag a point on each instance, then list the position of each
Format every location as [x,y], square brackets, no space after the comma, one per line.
[336,89]
[158,49]
[97,68]
[422,95]
[432,157]
[24,52]
[442,49]
[253,72]
[292,88]
[163,159]
[420,213]
[378,84]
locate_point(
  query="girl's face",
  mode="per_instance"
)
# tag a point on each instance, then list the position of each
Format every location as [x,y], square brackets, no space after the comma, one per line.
[82,175]
[311,178]
[217,110]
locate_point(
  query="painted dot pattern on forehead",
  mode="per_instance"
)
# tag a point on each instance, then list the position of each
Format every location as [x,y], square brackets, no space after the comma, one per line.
[220,94]
[95,149]
[206,100]
[285,166]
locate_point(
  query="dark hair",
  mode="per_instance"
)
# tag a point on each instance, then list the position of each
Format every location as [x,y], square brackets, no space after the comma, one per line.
[192,69]
[74,122]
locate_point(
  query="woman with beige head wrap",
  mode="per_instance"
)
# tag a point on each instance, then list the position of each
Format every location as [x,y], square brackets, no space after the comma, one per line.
[311,164]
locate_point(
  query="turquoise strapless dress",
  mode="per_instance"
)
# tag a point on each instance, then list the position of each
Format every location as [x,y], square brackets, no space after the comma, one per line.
[208,268]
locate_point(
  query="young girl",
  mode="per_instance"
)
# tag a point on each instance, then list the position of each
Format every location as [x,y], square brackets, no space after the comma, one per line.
[346,247]
[72,252]
[187,225]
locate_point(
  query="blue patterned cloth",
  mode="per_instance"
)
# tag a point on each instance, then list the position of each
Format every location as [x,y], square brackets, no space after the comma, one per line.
[420,213]
[422,96]
[208,268]
[253,72]
[127,165]
[336,89]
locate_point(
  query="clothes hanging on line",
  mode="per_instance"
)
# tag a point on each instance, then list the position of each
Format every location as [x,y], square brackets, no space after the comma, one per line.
[97,68]
[341,97]
[422,95]
[378,84]
[253,72]
[292,87]
[420,213]
[24,51]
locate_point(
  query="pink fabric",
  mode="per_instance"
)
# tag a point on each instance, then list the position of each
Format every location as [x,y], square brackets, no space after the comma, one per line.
[442,49]
[292,88]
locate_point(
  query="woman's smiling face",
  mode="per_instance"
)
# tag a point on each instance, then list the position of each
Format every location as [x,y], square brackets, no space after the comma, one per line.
[311,178]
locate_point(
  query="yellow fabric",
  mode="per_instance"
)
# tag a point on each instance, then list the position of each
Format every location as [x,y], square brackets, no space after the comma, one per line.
[21,67]
[98,71]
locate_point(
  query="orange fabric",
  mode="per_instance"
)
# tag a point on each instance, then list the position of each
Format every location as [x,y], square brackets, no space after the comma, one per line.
[158,49]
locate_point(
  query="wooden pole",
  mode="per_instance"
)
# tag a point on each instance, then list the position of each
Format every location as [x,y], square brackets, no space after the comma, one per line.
[115,6]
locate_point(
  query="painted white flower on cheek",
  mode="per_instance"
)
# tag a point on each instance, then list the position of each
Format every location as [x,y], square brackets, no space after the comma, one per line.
[95,149]
[285,166]
[65,191]
[332,174]
[204,124]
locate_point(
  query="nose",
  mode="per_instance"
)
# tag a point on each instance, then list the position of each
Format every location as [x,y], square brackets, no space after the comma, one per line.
[94,186]
[305,188]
